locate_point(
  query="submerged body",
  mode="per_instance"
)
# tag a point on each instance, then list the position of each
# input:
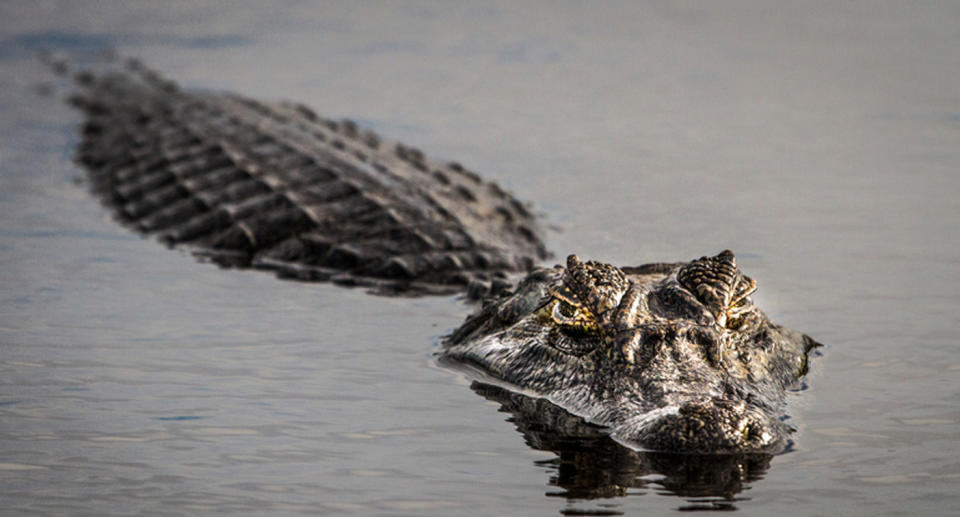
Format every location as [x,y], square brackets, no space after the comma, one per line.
[276,186]
[668,356]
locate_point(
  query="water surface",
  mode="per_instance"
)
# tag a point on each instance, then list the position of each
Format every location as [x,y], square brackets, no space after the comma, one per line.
[819,142]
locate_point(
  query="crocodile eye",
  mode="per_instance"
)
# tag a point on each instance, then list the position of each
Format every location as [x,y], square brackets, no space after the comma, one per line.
[564,312]
[572,320]
[576,331]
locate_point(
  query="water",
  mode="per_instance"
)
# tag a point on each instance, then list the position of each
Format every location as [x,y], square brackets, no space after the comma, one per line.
[819,142]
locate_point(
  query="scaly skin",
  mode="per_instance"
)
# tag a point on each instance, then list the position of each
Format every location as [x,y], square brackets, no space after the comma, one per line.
[671,357]
[275,186]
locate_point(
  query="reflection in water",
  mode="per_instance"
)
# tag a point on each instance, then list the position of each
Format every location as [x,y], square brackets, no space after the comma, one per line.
[591,465]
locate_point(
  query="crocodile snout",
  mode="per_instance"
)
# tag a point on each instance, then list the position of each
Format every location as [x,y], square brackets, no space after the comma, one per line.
[711,426]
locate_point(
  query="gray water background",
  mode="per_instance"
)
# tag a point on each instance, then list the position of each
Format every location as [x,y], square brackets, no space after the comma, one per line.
[818,140]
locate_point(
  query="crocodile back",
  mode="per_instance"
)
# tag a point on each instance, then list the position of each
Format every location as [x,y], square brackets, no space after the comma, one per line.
[273,185]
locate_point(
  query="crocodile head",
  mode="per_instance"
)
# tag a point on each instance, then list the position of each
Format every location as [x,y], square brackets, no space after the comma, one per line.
[667,356]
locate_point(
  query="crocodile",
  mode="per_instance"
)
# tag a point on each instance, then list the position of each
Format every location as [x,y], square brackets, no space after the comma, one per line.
[670,357]
[667,356]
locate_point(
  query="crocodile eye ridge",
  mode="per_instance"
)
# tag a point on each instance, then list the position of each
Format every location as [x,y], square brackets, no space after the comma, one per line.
[718,283]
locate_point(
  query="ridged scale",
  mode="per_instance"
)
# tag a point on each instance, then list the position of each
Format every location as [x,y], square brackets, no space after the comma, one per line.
[276,186]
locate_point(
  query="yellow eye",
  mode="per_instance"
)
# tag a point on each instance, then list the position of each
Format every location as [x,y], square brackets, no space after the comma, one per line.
[572,319]
[575,329]
[564,312]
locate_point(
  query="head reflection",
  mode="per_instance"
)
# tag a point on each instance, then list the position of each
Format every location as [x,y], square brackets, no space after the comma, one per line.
[590,465]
